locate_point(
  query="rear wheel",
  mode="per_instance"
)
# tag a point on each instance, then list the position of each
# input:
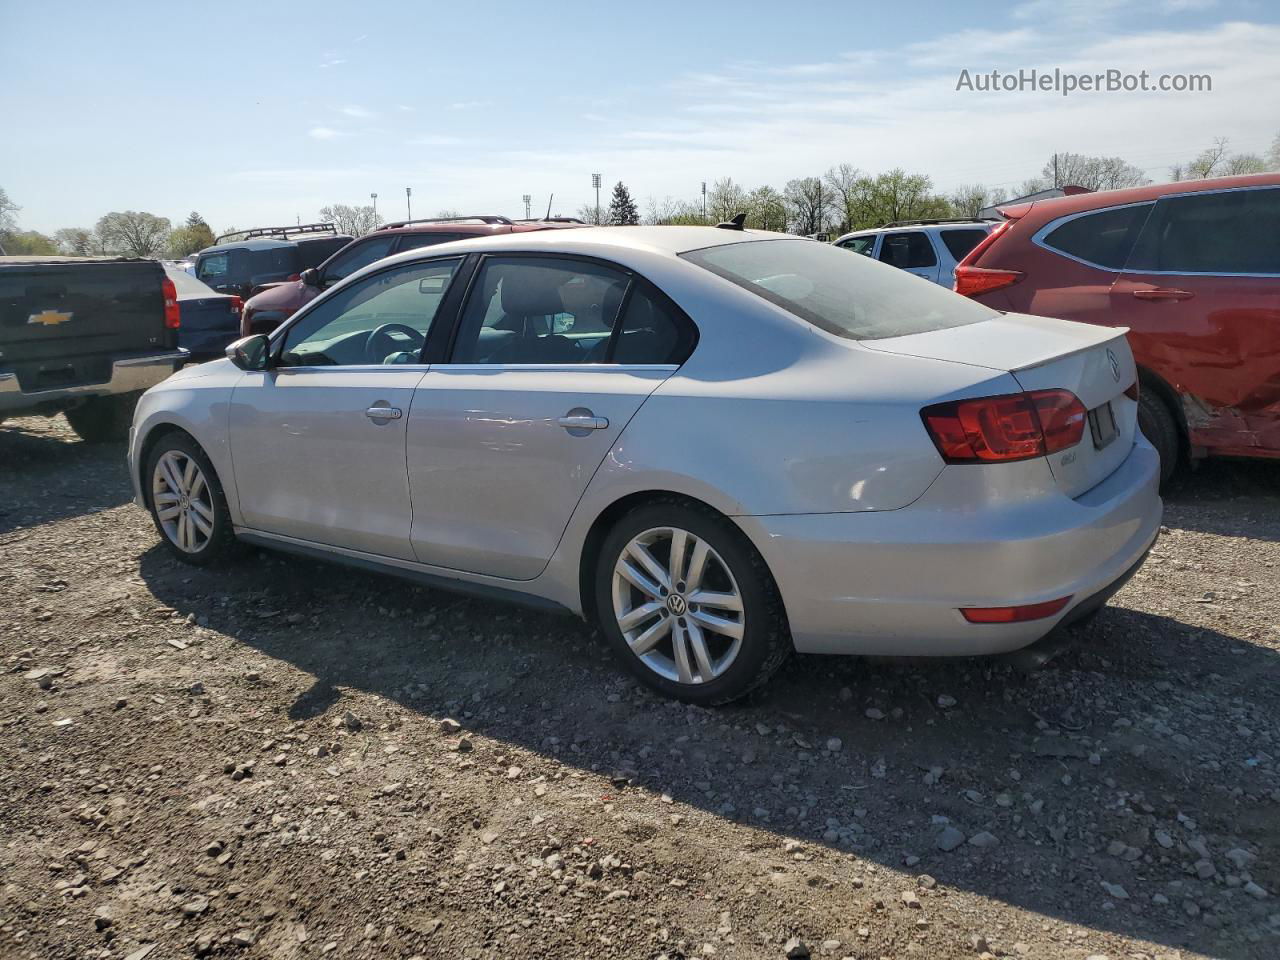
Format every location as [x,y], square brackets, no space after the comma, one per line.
[186,499]
[688,605]
[1158,426]
[103,419]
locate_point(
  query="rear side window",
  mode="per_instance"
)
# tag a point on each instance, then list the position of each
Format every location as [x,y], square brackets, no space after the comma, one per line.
[1237,231]
[960,242]
[652,330]
[847,296]
[1103,238]
[356,256]
[908,250]
[411,241]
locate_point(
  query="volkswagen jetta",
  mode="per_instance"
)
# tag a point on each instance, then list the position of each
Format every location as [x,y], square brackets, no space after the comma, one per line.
[720,445]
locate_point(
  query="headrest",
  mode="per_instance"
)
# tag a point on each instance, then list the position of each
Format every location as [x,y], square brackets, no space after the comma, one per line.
[531,293]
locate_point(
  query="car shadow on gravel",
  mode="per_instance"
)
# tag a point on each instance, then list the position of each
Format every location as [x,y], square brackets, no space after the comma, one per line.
[73,478]
[1040,773]
[1234,498]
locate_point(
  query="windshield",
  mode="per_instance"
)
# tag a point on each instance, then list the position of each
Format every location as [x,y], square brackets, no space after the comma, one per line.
[849,296]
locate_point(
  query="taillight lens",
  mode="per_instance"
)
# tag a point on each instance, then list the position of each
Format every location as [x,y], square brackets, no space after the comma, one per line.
[971,281]
[237,306]
[1015,426]
[172,312]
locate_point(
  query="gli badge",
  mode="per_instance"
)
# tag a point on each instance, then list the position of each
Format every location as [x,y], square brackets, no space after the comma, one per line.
[1115,364]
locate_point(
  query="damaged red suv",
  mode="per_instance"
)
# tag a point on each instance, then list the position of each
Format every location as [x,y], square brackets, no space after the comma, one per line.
[276,302]
[1191,268]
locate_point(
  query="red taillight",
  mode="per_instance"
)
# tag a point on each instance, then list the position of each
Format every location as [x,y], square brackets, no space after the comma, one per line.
[172,312]
[294,276]
[1133,392]
[971,281]
[1031,611]
[1015,426]
[237,306]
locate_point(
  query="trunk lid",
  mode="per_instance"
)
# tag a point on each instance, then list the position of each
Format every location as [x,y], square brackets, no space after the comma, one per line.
[1093,362]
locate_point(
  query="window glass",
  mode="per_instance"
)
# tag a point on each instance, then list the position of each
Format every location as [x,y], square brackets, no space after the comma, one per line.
[1103,238]
[1237,231]
[907,250]
[411,241]
[652,330]
[960,242]
[213,267]
[380,319]
[538,310]
[862,245]
[844,295]
[356,256]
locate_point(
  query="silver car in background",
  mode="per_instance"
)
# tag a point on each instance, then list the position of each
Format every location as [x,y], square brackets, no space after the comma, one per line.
[720,445]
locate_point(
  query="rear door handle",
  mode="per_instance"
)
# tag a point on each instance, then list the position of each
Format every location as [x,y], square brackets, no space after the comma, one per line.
[383,413]
[583,421]
[1163,293]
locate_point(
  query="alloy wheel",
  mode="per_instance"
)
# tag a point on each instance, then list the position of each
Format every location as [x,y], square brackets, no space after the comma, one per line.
[183,501]
[678,605]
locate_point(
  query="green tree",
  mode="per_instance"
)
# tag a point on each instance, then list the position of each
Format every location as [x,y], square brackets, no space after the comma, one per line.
[766,209]
[808,205]
[75,241]
[622,209]
[133,233]
[29,243]
[8,213]
[194,235]
[725,200]
[966,201]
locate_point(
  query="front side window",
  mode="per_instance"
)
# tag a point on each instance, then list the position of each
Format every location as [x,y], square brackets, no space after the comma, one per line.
[539,310]
[862,245]
[213,267]
[906,250]
[381,319]
[1103,238]
[356,256]
[846,296]
[1235,231]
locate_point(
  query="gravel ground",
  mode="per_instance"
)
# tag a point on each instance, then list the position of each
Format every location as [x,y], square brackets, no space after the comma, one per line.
[280,758]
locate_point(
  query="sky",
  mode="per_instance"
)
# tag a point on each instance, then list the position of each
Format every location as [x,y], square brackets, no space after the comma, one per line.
[261,113]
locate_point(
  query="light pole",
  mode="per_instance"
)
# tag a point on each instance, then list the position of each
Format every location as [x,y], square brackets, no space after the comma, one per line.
[704,199]
[527,200]
[408,202]
[595,182]
[374,198]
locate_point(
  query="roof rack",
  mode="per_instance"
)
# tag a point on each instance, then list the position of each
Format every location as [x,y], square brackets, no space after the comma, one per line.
[925,223]
[552,220]
[279,232]
[482,218]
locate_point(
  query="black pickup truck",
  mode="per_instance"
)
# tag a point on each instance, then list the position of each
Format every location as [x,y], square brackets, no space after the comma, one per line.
[85,336]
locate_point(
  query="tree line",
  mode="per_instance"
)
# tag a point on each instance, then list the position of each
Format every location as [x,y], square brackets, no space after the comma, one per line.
[843,198]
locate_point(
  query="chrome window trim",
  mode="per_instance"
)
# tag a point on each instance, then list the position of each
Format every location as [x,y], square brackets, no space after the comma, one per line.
[558,367]
[1038,238]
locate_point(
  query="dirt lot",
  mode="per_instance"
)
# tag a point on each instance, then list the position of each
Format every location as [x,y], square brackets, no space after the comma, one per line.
[279,758]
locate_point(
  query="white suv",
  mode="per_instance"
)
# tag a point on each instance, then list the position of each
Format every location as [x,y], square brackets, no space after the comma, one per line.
[927,248]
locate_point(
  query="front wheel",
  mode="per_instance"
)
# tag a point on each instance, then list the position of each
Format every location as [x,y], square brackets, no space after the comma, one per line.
[688,605]
[186,499]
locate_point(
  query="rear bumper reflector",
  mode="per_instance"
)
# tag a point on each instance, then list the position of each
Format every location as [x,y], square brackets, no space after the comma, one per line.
[1031,611]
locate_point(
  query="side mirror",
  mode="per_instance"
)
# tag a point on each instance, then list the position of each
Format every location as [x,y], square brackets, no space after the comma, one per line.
[250,353]
[311,277]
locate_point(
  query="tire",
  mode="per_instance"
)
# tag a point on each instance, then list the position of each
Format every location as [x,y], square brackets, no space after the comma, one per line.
[201,505]
[715,667]
[1158,426]
[103,419]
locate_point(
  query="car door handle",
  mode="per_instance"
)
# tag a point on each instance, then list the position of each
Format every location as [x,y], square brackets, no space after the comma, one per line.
[1163,293]
[383,413]
[583,421]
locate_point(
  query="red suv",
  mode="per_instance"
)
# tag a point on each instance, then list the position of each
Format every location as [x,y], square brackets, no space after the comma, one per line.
[265,311]
[1191,268]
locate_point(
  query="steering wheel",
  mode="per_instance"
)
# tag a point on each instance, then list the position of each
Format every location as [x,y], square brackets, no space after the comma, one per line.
[380,343]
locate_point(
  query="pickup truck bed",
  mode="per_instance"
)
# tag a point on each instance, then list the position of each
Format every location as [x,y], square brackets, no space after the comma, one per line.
[84,336]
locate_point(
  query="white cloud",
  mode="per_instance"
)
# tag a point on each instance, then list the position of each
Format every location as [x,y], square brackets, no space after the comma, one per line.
[356,111]
[323,133]
[334,62]
[435,140]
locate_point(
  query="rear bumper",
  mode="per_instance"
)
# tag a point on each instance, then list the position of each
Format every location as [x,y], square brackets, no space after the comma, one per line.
[128,375]
[892,583]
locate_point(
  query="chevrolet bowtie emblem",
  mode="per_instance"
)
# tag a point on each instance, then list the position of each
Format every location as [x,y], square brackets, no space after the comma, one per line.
[49,318]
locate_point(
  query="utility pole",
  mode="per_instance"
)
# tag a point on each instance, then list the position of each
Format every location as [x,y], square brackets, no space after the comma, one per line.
[1056,181]
[374,198]
[595,182]
[408,202]
[527,200]
[704,199]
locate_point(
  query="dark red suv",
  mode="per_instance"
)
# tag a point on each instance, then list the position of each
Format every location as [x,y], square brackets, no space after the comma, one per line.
[1191,268]
[265,311]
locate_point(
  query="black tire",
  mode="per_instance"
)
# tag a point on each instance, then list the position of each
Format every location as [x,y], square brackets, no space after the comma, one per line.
[1157,424]
[103,419]
[766,641]
[221,540]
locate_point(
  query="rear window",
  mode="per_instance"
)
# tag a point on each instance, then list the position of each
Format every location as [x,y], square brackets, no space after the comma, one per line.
[1103,238]
[848,296]
[960,242]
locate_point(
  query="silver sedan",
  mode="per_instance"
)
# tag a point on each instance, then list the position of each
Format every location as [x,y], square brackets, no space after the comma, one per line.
[719,445]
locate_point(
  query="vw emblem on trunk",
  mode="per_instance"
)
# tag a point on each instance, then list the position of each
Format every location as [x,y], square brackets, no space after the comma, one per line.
[1115,364]
[676,604]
